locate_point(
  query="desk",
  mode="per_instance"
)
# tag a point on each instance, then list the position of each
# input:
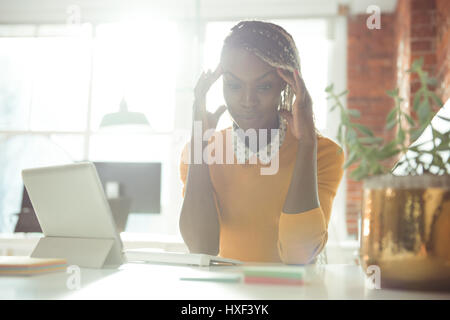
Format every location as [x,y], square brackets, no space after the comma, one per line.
[156,281]
[23,244]
[17,244]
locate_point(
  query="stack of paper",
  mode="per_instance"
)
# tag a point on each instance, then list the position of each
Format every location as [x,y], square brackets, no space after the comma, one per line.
[284,275]
[22,265]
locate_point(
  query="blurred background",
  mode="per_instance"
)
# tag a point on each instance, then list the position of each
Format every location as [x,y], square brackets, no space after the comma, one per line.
[68,67]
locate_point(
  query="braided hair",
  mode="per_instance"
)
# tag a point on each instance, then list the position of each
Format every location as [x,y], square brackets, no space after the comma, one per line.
[272,44]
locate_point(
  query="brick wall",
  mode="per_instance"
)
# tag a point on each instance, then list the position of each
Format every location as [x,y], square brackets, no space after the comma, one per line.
[422,36]
[416,38]
[378,59]
[443,48]
[403,45]
[370,72]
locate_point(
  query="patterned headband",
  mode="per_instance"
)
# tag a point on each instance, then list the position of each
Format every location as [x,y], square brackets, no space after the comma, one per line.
[262,38]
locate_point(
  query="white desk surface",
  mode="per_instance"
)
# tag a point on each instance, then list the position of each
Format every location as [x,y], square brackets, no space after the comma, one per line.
[157,281]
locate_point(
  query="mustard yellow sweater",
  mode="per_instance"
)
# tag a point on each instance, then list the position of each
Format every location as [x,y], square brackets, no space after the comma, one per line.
[253,227]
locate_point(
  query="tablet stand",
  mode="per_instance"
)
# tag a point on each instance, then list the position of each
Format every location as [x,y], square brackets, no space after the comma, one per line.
[83,252]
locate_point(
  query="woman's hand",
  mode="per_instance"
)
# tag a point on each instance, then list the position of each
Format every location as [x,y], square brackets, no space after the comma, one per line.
[300,121]
[204,83]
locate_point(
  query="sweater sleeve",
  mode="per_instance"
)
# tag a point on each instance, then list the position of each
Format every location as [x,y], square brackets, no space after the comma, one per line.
[184,166]
[302,236]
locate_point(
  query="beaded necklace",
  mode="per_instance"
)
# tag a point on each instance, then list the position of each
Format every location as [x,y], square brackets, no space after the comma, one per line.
[244,153]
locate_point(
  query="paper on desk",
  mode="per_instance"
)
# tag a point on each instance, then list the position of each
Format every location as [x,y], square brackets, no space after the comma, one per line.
[214,277]
[25,265]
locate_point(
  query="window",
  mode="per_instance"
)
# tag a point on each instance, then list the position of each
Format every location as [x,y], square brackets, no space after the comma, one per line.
[58,81]
[135,62]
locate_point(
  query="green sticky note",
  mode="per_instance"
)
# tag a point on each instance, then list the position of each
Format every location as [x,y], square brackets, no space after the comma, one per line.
[214,278]
[287,272]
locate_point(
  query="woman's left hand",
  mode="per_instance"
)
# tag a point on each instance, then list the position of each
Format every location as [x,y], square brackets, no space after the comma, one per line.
[300,121]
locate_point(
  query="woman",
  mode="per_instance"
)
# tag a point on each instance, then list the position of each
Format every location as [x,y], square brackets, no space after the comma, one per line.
[232,209]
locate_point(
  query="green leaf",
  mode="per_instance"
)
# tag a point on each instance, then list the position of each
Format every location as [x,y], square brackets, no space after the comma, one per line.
[375,168]
[363,129]
[417,65]
[415,134]
[400,136]
[386,154]
[392,115]
[353,156]
[432,82]
[409,119]
[392,93]
[354,113]
[391,124]
[423,112]
[370,140]
[351,136]
[342,93]
[359,173]
[339,134]
[344,119]
[391,145]
[417,97]
[329,88]
[436,99]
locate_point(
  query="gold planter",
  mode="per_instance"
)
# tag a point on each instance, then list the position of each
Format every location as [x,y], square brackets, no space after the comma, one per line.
[405,231]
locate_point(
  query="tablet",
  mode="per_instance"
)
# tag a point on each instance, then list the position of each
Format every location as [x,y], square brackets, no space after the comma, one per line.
[70,202]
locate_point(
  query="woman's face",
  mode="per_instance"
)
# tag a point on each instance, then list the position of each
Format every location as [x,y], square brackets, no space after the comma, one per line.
[251,88]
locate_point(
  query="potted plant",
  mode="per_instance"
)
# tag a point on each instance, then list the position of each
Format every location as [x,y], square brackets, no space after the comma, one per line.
[405,216]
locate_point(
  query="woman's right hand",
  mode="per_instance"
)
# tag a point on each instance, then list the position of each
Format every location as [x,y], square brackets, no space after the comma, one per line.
[204,83]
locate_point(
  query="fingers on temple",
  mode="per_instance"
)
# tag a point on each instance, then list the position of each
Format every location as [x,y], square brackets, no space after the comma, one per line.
[298,83]
[283,76]
[288,78]
[211,76]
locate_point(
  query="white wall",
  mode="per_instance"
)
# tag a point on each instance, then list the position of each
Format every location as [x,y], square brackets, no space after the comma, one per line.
[338,76]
